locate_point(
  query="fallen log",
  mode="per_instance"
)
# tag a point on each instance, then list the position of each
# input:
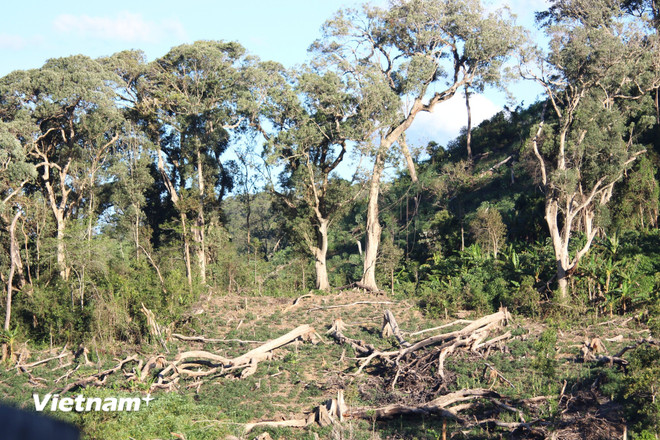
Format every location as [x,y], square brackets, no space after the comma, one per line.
[439,406]
[480,325]
[293,423]
[64,353]
[451,324]
[304,332]
[212,340]
[297,302]
[337,333]
[591,351]
[98,378]
[194,363]
[332,411]
[247,362]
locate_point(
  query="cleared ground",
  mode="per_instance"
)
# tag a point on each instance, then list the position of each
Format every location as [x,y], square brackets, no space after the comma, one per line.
[539,372]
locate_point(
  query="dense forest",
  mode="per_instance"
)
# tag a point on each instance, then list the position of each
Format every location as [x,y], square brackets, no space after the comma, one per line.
[129,184]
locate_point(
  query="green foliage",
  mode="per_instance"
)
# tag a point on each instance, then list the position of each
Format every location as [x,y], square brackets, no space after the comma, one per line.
[52,313]
[546,349]
[477,281]
[640,389]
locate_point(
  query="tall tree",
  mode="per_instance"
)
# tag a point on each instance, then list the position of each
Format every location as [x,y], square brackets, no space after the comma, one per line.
[597,66]
[315,126]
[189,101]
[73,122]
[15,173]
[407,59]
[200,89]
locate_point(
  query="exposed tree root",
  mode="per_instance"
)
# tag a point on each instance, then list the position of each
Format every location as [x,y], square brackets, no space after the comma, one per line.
[194,364]
[472,336]
[595,351]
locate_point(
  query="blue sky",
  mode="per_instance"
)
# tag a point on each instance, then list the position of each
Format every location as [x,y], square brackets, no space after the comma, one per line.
[33,32]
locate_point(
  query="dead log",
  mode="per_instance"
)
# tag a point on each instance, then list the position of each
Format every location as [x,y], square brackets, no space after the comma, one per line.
[297,302]
[493,341]
[304,332]
[458,321]
[98,378]
[591,352]
[390,327]
[647,341]
[64,353]
[439,406]
[337,333]
[212,340]
[154,328]
[294,423]
[220,364]
[67,374]
[480,325]
[332,411]
[471,335]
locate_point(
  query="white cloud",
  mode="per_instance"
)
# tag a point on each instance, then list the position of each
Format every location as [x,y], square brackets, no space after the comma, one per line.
[125,26]
[447,119]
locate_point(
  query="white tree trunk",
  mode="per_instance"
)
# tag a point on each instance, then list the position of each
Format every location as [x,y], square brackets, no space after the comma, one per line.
[198,229]
[320,254]
[373,226]
[15,258]
[186,250]
[468,135]
[61,248]
[200,245]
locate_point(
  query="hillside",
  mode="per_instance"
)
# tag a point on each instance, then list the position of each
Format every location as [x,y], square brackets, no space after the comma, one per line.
[538,380]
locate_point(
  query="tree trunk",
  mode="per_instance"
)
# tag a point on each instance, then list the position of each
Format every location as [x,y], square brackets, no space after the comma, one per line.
[200,248]
[248,213]
[468,135]
[15,258]
[198,229]
[137,232]
[657,105]
[320,253]
[559,245]
[61,249]
[175,200]
[186,250]
[562,280]
[409,160]
[373,226]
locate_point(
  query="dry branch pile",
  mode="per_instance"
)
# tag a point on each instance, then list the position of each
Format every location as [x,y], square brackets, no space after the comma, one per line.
[167,373]
[415,365]
[426,356]
[419,369]
[413,374]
